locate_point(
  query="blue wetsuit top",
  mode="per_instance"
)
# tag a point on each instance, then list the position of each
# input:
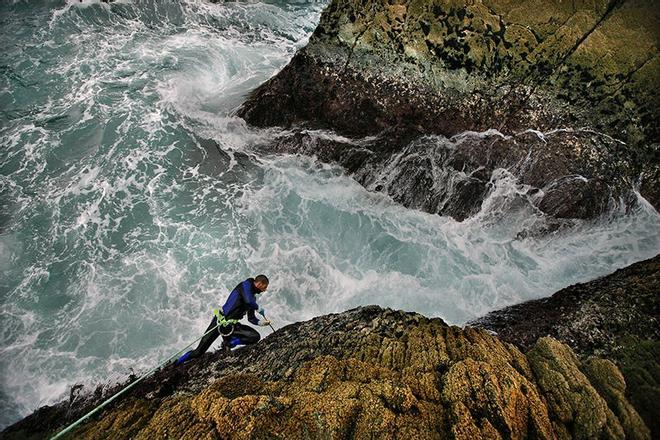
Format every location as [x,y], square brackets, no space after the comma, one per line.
[241,300]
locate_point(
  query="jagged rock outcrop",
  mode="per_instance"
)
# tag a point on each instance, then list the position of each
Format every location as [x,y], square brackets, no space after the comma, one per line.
[566,174]
[401,71]
[366,373]
[617,317]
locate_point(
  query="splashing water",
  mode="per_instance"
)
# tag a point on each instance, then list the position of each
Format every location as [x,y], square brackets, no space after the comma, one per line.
[122,225]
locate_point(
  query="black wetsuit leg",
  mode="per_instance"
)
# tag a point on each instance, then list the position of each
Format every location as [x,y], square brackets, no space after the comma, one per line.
[207,340]
[243,335]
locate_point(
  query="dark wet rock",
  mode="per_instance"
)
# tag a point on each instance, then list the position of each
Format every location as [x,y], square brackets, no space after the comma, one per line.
[439,68]
[592,317]
[617,317]
[566,174]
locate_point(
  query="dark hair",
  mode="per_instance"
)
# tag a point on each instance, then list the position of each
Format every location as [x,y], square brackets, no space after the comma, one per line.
[261,279]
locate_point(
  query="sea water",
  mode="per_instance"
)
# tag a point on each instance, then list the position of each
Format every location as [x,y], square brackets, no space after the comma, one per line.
[132,200]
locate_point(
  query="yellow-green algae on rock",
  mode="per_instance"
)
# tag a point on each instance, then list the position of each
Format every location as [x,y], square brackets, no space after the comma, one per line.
[614,317]
[399,376]
[583,75]
[601,57]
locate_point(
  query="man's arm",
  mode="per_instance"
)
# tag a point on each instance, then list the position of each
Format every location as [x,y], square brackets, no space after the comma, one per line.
[252,318]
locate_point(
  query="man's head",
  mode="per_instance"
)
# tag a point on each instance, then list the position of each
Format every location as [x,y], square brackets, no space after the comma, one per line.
[261,282]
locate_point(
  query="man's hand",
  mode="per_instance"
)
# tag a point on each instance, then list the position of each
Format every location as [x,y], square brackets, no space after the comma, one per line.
[264,322]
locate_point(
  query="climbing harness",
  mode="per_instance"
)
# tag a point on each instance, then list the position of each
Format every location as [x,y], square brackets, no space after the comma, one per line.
[128,387]
[224,322]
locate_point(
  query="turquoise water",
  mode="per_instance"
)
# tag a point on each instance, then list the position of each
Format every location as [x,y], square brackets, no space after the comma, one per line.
[122,225]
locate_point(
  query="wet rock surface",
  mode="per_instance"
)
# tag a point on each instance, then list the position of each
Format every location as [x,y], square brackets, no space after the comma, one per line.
[617,317]
[565,174]
[412,69]
[369,372]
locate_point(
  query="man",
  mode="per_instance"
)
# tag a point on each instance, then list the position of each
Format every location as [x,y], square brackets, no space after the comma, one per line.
[241,300]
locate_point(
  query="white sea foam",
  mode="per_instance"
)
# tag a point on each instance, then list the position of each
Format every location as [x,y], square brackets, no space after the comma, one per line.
[128,242]
[334,245]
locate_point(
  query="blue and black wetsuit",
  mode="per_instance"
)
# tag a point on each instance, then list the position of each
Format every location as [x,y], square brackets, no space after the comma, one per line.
[241,300]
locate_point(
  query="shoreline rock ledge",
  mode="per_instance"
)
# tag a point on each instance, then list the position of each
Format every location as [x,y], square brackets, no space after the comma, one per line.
[366,373]
[616,317]
[431,98]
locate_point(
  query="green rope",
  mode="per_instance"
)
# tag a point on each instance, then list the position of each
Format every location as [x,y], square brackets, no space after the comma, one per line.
[95,410]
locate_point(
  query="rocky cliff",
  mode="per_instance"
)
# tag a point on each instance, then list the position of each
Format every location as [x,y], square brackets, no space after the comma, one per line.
[617,317]
[564,95]
[366,373]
